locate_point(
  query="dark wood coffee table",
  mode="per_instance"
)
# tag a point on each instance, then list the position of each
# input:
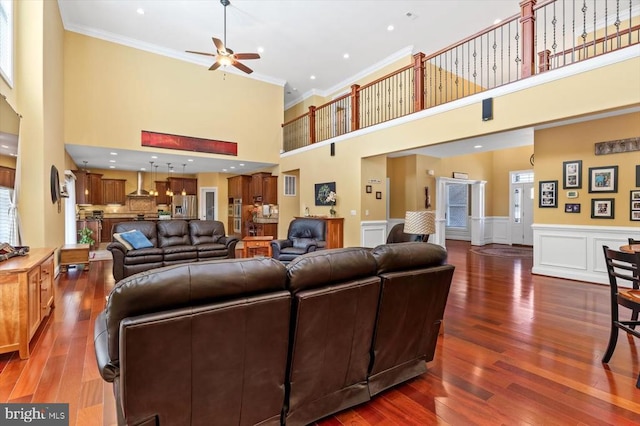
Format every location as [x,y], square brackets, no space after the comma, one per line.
[257,244]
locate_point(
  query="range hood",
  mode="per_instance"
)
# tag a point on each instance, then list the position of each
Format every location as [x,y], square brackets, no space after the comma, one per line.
[139,192]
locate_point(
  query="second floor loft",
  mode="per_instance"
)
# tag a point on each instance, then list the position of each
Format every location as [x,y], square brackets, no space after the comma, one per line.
[543,37]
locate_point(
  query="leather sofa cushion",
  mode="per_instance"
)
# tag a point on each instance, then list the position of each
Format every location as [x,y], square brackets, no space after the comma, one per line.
[306,228]
[174,287]
[173,233]
[303,243]
[401,256]
[148,255]
[325,267]
[205,231]
[211,247]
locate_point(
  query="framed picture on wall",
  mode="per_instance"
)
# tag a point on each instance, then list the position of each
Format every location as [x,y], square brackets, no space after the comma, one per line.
[603,208]
[548,193]
[572,208]
[634,201]
[603,179]
[572,174]
[322,191]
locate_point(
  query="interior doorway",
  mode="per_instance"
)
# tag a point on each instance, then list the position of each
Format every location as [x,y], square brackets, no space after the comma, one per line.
[521,195]
[209,203]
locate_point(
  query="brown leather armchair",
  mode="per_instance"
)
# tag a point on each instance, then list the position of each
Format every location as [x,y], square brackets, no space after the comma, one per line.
[397,235]
[199,343]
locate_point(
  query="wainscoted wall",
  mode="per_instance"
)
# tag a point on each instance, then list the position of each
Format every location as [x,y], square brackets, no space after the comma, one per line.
[575,252]
[373,232]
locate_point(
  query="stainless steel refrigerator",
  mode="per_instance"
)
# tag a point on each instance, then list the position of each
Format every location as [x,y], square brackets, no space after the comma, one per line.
[184,207]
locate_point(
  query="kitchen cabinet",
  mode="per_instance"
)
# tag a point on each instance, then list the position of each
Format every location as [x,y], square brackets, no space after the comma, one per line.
[88,187]
[177,184]
[264,188]
[27,294]
[161,187]
[107,226]
[96,226]
[113,191]
[7,176]
[239,187]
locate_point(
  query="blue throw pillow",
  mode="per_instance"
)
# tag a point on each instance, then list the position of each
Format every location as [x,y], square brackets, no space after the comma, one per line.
[137,239]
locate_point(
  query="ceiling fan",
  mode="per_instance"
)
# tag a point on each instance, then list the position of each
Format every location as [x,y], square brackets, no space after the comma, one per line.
[226,56]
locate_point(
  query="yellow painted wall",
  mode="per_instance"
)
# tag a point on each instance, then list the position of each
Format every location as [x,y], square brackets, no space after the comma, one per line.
[113,92]
[503,162]
[374,169]
[576,142]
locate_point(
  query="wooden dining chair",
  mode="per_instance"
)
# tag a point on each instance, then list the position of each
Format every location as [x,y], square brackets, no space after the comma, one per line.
[622,268]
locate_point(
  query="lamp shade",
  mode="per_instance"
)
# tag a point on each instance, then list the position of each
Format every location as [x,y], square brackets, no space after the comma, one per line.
[422,222]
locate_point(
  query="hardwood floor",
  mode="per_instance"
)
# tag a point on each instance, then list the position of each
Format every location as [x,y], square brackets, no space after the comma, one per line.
[517,349]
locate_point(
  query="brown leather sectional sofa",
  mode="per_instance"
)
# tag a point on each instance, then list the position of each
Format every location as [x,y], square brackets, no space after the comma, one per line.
[174,241]
[255,342]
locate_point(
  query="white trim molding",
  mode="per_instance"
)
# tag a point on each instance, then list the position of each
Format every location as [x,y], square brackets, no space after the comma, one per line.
[575,252]
[373,233]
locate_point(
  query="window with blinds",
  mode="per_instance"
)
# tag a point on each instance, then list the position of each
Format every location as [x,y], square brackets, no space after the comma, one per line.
[6,40]
[5,197]
[289,185]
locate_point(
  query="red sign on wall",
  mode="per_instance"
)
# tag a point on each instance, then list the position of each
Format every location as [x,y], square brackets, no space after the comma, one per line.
[186,143]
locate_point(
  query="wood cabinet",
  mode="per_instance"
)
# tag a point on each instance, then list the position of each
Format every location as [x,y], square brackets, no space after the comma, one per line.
[177,184]
[239,187]
[88,187]
[113,191]
[107,226]
[27,295]
[7,177]
[95,226]
[161,187]
[264,188]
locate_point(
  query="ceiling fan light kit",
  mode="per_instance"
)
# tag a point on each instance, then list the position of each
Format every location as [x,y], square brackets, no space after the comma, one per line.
[226,56]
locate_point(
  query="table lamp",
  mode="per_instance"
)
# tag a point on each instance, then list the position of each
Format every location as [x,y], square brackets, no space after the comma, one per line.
[421,222]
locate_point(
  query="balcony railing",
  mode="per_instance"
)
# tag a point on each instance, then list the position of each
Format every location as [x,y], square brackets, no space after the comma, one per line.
[542,37]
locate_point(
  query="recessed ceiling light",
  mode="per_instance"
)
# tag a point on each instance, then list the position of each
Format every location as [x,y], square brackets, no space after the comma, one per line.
[143,169]
[390,28]
[224,170]
[477,146]
[113,153]
[346,56]
[295,89]
[232,167]
[4,146]
[497,21]
[190,160]
[241,164]
[154,156]
[112,167]
[260,49]
[313,77]
[140,11]
[112,161]
[13,155]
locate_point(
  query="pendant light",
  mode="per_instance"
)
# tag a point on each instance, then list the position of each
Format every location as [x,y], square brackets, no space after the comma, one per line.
[152,190]
[168,193]
[184,191]
[155,177]
[86,179]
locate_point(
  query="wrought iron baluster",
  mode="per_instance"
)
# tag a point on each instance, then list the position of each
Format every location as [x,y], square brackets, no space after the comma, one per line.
[554,22]
[495,67]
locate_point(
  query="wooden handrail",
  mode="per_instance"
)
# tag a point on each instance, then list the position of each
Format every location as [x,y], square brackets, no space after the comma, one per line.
[332,101]
[599,40]
[543,4]
[391,74]
[476,35]
[295,119]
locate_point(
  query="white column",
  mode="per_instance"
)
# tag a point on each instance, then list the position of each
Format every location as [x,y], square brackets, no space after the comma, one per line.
[477,213]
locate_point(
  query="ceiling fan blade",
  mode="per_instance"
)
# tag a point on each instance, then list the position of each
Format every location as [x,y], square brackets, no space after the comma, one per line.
[242,67]
[201,53]
[219,44]
[247,56]
[215,66]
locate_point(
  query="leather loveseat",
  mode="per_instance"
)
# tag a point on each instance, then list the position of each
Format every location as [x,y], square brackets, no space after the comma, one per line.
[173,242]
[255,342]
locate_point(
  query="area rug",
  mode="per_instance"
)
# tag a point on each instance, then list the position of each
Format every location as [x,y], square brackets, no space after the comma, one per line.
[506,251]
[100,255]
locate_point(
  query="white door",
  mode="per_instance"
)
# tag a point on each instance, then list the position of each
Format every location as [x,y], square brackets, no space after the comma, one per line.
[522,213]
[209,203]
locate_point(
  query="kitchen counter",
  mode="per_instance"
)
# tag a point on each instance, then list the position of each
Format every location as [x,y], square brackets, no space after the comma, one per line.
[265,220]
